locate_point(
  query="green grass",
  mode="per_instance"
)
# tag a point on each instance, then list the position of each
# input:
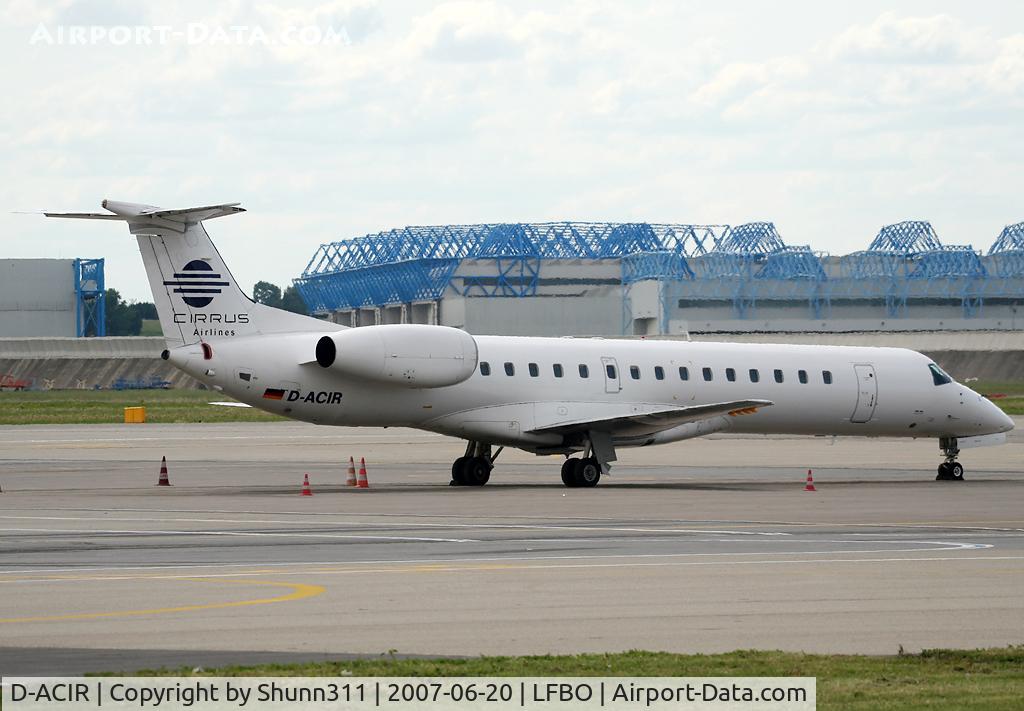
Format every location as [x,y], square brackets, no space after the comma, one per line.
[968,680]
[62,407]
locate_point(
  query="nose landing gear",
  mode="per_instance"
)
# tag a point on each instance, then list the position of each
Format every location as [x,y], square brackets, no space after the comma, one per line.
[951,469]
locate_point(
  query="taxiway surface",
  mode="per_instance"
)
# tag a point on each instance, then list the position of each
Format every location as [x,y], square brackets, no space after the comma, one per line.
[707,545]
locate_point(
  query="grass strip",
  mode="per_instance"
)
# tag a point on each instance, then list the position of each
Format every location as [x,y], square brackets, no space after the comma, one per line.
[74,407]
[966,680]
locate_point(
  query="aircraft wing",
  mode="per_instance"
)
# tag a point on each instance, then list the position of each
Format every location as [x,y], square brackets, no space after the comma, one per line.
[638,420]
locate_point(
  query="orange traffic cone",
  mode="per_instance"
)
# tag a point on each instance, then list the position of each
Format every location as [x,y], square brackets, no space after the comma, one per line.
[306,491]
[809,486]
[364,483]
[163,480]
[351,481]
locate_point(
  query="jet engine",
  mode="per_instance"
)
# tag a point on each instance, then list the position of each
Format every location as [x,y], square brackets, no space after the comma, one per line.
[413,355]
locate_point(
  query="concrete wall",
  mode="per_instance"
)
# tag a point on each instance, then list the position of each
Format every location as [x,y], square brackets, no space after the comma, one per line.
[37,297]
[109,347]
[62,363]
[695,320]
[599,313]
[87,373]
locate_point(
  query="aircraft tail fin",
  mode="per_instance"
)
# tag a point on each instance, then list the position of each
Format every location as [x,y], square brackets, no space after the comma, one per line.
[196,296]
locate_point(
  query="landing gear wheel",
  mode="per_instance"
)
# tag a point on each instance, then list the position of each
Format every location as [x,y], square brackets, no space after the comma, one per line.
[587,472]
[569,472]
[459,472]
[950,471]
[476,471]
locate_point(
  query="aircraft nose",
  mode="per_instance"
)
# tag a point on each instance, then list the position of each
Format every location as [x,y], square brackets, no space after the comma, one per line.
[995,418]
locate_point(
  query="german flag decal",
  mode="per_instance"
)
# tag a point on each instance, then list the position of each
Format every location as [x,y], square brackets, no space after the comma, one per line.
[273,394]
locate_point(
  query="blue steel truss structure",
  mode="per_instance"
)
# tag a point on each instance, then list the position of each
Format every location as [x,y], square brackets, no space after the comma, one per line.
[740,266]
[753,263]
[907,261]
[416,264]
[1007,252]
[90,298]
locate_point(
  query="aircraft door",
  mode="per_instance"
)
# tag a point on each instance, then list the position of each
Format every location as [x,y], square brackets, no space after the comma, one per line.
[867,393]
[612,383]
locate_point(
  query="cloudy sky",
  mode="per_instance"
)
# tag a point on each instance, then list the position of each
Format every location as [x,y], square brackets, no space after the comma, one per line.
[330,120]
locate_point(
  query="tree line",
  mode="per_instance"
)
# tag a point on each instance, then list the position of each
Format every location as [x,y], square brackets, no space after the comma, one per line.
[125,318]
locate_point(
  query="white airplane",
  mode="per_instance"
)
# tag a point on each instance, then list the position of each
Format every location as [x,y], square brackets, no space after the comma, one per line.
[542,395]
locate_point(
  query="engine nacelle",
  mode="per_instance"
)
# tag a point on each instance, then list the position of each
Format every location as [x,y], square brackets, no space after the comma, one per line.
[413,355]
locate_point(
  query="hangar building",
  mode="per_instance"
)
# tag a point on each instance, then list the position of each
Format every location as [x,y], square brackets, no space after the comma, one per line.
[572,278]
[51,297]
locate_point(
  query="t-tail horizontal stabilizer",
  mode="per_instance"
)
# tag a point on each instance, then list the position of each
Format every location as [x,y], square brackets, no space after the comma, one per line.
[144,218]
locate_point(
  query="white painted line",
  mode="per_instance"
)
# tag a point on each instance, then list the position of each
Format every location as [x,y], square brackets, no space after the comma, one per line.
[375,524]
[949,546]
[86,531]
[953,525]
[440,566]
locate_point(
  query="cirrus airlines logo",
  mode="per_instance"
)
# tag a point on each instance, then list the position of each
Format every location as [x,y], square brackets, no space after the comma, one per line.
[197,284]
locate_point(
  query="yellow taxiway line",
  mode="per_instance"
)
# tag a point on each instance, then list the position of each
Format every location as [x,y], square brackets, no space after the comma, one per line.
[299,591]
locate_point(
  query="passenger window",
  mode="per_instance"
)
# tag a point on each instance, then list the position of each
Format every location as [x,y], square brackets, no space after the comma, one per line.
[730,375]
[802,375]
[659,373]
[634,372]
[510,369]
[534,370]
[684,373]
[557,370]
[826,377]
[485,368]
[584,371]
[707,374]
[755,376]
[778,376]
[939,376]
[610,369]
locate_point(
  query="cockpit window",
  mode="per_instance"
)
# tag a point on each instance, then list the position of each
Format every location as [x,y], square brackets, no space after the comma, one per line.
[938,375]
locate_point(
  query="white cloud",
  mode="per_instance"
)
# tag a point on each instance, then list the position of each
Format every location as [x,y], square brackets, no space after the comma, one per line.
[1006,72]
[739,79]
[460,112]
[467,31]
[890,38]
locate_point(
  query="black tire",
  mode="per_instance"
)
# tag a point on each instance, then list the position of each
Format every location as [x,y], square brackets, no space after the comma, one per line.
[476,471]
[944,473]
[587,472]
[569,472]
[956,471]
[459,471]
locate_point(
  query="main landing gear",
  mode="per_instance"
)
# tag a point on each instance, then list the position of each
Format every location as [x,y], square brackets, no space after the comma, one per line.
[951,469]
[586,471]
[474,468]
[581,472]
